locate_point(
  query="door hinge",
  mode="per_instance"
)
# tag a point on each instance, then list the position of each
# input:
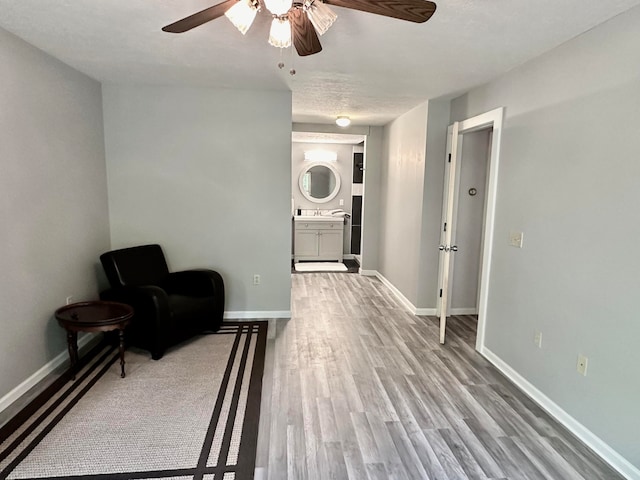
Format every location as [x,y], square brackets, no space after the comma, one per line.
[440,293]
[449,158]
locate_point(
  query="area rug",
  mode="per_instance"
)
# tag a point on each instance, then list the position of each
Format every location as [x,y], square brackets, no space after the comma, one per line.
[191,415]
[320,267]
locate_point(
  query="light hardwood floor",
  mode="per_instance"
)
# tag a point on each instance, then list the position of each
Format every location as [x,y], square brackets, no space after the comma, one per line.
[356,387]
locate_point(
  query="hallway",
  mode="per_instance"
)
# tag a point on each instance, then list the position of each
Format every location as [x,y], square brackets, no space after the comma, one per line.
[356,387]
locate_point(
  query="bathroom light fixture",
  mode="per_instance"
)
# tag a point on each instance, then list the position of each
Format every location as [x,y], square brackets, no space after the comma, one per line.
[343,121]
[320,156]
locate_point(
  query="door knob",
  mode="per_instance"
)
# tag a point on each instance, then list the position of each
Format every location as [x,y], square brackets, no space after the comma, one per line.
[441,247]
[454,248]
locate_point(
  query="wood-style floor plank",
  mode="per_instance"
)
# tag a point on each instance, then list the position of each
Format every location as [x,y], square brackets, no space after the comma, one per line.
[356,387]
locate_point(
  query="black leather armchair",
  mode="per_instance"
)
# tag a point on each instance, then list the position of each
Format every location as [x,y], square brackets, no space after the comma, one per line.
[169,307]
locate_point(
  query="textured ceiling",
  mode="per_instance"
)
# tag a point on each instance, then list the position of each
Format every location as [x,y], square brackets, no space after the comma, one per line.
[372,68]
[342,138]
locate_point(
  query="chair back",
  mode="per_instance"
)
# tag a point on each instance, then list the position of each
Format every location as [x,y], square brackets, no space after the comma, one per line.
[135,266]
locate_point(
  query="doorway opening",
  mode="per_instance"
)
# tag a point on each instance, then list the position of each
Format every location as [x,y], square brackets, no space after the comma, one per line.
[467,226]
[327,194]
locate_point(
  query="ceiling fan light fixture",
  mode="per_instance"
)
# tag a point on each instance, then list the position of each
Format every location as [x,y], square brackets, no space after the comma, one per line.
[278,7]
[343,121]
[280,33]
[242,14]
[321,16]
[300,22]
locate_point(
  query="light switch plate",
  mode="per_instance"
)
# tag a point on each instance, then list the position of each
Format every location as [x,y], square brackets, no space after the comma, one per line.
[537,339]
[516,239]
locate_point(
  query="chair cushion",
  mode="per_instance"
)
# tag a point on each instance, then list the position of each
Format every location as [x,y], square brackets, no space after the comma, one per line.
[184,307]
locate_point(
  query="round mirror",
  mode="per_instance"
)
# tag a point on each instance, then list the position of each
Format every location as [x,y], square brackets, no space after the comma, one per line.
[319,182]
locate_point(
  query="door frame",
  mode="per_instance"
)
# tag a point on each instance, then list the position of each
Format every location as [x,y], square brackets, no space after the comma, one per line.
[492,119]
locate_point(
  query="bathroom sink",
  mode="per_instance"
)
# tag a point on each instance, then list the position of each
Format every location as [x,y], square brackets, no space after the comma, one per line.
[314,218]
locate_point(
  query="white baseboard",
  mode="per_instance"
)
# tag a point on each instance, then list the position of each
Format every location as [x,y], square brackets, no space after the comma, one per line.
[608,454]
[368,273]
[42,373]
[463,311]
[398,294]
[257,314]
[425,311]
[403,300]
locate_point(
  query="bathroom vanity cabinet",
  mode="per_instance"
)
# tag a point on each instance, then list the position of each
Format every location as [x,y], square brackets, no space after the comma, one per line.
[318,238]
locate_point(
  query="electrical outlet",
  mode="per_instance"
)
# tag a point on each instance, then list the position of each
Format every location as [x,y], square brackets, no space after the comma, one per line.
[69,299]
[515,239]
[341,202]
[256,279]
[537,339]
[582,365]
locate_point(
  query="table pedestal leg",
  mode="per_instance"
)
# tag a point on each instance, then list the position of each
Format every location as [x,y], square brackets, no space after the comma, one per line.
[122,375]
[72,345]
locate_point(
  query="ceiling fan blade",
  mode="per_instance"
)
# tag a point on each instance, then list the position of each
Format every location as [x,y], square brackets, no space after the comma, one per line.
[418,11]
[199,18]
[305,38]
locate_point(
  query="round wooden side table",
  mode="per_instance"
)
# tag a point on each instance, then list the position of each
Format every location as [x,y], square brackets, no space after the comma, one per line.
[95,316]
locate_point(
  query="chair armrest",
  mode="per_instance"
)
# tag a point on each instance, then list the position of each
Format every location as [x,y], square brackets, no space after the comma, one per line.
[203,283]
[195,283]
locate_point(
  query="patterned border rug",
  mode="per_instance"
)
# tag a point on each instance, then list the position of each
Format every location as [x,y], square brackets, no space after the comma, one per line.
[191,415]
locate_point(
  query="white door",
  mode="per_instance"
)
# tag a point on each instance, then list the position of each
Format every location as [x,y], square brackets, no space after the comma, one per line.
[489,120]
[447,249]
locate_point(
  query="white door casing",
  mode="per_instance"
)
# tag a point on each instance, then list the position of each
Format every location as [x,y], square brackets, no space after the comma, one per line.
[489,120]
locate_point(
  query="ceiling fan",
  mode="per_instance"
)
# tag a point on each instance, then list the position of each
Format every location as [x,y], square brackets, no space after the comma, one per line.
[300,21]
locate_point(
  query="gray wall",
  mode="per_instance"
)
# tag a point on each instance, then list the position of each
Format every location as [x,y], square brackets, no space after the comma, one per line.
[54,212]
[437,123]
[343,165]
[207,174]
[469,222]
[402,190]
[371,201]
[412,170]
[569,179]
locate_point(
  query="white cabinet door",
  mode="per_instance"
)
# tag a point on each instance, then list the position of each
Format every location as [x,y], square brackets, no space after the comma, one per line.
[330,245]
[306,243]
